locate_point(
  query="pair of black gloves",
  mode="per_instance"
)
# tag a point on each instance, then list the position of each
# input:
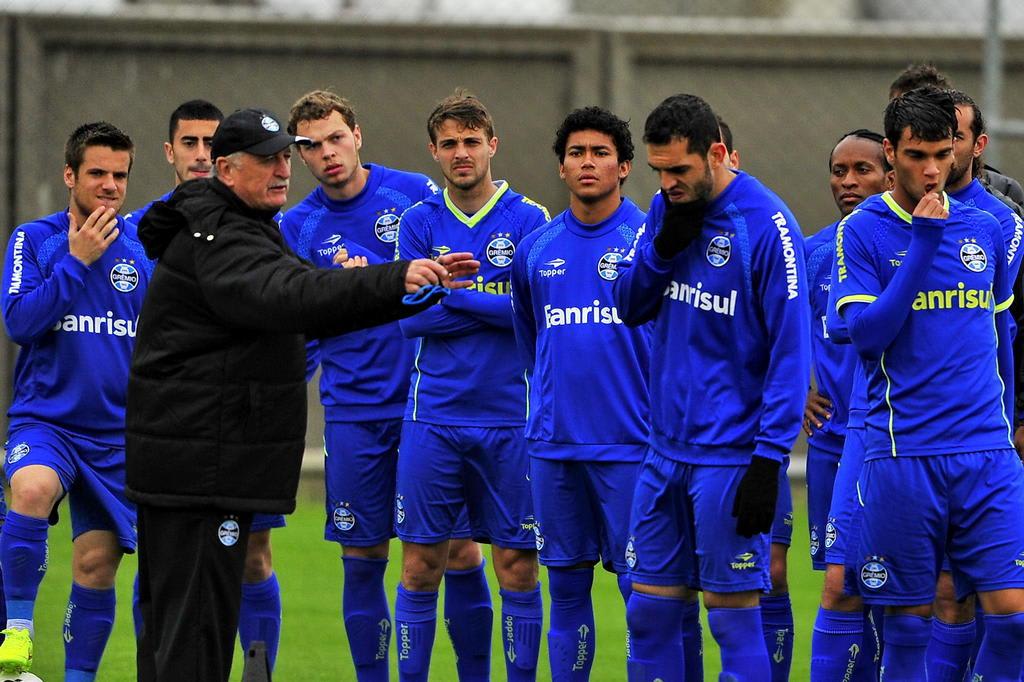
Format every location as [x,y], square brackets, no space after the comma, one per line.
[758,491]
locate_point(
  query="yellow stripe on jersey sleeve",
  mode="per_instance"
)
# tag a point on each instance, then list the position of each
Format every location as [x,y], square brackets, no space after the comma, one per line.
[855,298]
[1005,304]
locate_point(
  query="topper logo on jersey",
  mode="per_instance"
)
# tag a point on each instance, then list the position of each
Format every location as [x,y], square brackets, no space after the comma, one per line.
[973,257]
[124,277]
[17,264]
[608,265]
[386,228]
[17,453]
[334,245]
[591,314]
[873,573]
[554,268]
[228,532]
[788,256]
[270,124]
[718,251]
[89,324]
[947,299]
[344,519]
[500,250]
[702,300]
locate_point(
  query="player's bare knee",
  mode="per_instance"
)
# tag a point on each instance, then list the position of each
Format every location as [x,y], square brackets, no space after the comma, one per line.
[780,583]
[464,555]
[378,551]
[1002,602]
[34,491]
[671,591]
[921,610]
[516,569]
[95,567]
[731,600]
[259,563]
[423,566]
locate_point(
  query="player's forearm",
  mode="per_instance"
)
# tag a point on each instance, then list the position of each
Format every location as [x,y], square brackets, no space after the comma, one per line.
[439,321]
[873,325]
[494,309]
[640,286]
[1004,337]
[784,399]
[33,312]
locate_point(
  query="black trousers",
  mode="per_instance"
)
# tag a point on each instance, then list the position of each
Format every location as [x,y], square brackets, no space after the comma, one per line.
[190,588]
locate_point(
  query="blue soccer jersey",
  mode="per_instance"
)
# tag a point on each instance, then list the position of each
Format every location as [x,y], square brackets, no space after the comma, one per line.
[467,370]
[135,217]
[76,326]
[366,373]
[731,342]
[975,194]
[588,371]
[936,388]
[833,363]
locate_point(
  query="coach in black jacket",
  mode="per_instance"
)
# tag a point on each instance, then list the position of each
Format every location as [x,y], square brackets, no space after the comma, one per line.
[216,411]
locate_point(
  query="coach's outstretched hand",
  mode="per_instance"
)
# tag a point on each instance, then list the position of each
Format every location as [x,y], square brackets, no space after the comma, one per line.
[680,226]
[754,506]
[445,271]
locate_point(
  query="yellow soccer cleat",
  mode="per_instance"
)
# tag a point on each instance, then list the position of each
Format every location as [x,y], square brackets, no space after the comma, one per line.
[16,651]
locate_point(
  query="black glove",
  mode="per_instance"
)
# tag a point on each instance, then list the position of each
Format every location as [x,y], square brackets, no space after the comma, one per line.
[754,506]
[680,226]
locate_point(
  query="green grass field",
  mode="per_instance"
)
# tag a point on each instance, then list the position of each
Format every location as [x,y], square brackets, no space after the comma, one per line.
[313,645]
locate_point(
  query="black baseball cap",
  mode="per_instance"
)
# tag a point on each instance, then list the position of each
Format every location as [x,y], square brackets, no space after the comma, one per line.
[256,131]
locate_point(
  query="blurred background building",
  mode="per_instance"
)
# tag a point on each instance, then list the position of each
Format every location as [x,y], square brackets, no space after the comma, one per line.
[789,76]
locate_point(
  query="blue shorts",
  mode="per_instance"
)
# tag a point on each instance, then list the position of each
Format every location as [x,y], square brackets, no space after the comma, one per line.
[821,477]
[782,526]
[266,522]
[968,505]
[359,476]
[445,472]
[582,511]
[681,531]
[842,529]
[91,474]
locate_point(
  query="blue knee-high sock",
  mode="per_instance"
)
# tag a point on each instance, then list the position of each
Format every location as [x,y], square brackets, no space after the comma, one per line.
[655,638]
[979,634]
[777,620]
[1001,655]
[625,589]
[364,608]
[571,636]
[906,642]
[870,658]
[836,644]
[878,618]
[949,651]
[415,622]
[739,636]
[259,616]
[469,619]
[87,624]
[522,620]
[136,609]
[693,642]
[23,562]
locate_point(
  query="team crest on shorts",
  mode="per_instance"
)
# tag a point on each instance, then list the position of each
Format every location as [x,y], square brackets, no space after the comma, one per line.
[630,554]
[814,541]
[344,519]
[873,573]
[538,537]
[17,453]
[973,257]
[718,251]
[830,534]
[608,264]
[228,532]
[399,509]
[386,228]
[269,124]
[124,277]
[501,249]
